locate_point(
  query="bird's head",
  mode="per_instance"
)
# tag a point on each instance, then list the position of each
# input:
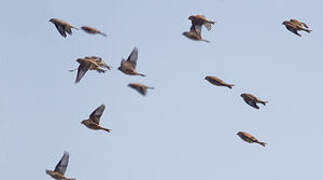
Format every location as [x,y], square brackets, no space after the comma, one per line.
[191,17]
[207,78]
[83,122]
[48,171]
[185,34]
[243,95]
[52,20]
[239,133]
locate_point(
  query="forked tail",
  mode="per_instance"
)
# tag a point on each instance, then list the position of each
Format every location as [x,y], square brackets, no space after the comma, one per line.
[230,85]
[263,102]
[107,130]
[103,34]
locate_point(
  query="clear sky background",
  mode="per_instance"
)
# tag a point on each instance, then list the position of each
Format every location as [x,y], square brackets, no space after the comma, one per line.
[185,128]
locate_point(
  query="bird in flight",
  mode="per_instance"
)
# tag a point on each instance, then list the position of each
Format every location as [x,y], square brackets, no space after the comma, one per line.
[60,169]
[89,63]
[217,81]
[195,33]
[200,20]
[249,138]
[252,100]
[129,66]
[92,30]
[294,26]
[62,26]
[142,89]
[94,119]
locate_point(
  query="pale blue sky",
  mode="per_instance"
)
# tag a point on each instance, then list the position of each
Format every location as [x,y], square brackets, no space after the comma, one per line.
[185,128]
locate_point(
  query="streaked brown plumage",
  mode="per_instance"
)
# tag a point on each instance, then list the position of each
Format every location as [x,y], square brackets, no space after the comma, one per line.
[195,33]
[60,169]
[129,66]
[92,30]
[89,63]
[200,20]
[62,26]
[294,26]
[94,119]
[252,100]
[142,89]
[249,138]
[217,81]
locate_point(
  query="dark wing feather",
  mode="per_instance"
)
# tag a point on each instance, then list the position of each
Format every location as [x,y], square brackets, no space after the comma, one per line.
[60,29]
[97,113]
[62,164]
[133,57]
[82,69]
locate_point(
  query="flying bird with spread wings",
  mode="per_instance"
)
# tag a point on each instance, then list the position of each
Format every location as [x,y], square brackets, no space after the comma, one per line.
[294,26]
[129,66]
[94,119]
[89,63]
[62,26]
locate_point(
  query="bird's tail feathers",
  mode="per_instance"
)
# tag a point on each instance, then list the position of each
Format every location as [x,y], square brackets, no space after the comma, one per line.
[262,143]
[308,30]
[263,102]
[107,130]
[140,74]
[103,34]
[205,40]
[230,85]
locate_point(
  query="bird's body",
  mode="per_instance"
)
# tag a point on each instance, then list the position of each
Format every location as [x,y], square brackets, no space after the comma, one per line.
[94,119]
[90,63]
[200,20]
[218,82]
[142,89]
[294,26]
[129,66]
[60,169]
[62,26]
[249,138]
[195,33]
[92,30]
[252,100]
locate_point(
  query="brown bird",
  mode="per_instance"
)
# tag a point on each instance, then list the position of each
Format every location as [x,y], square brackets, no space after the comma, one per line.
[129,66]
[94,120]
[217,81]
[252,100]
[142,89]
[92,30]
[60,169]
[195,33]
[89,63]
[294,26]
[249,138]
[62,26]
[200,20]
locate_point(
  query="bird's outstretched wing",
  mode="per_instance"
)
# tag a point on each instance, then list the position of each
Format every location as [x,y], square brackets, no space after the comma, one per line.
[62,164]
[97,113]
[133,57]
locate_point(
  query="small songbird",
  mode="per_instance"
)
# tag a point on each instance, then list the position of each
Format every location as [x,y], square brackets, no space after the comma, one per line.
[60,169]
[92,30]
[89,63]
[62,26]
[129,66]
[200,20]
[252,100]
[94,120]
[195,33]
[142,89]
[249,138]
[217,81]
[294,26]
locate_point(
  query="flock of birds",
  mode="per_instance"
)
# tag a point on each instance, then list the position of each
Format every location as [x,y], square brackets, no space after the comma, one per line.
[129,67]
